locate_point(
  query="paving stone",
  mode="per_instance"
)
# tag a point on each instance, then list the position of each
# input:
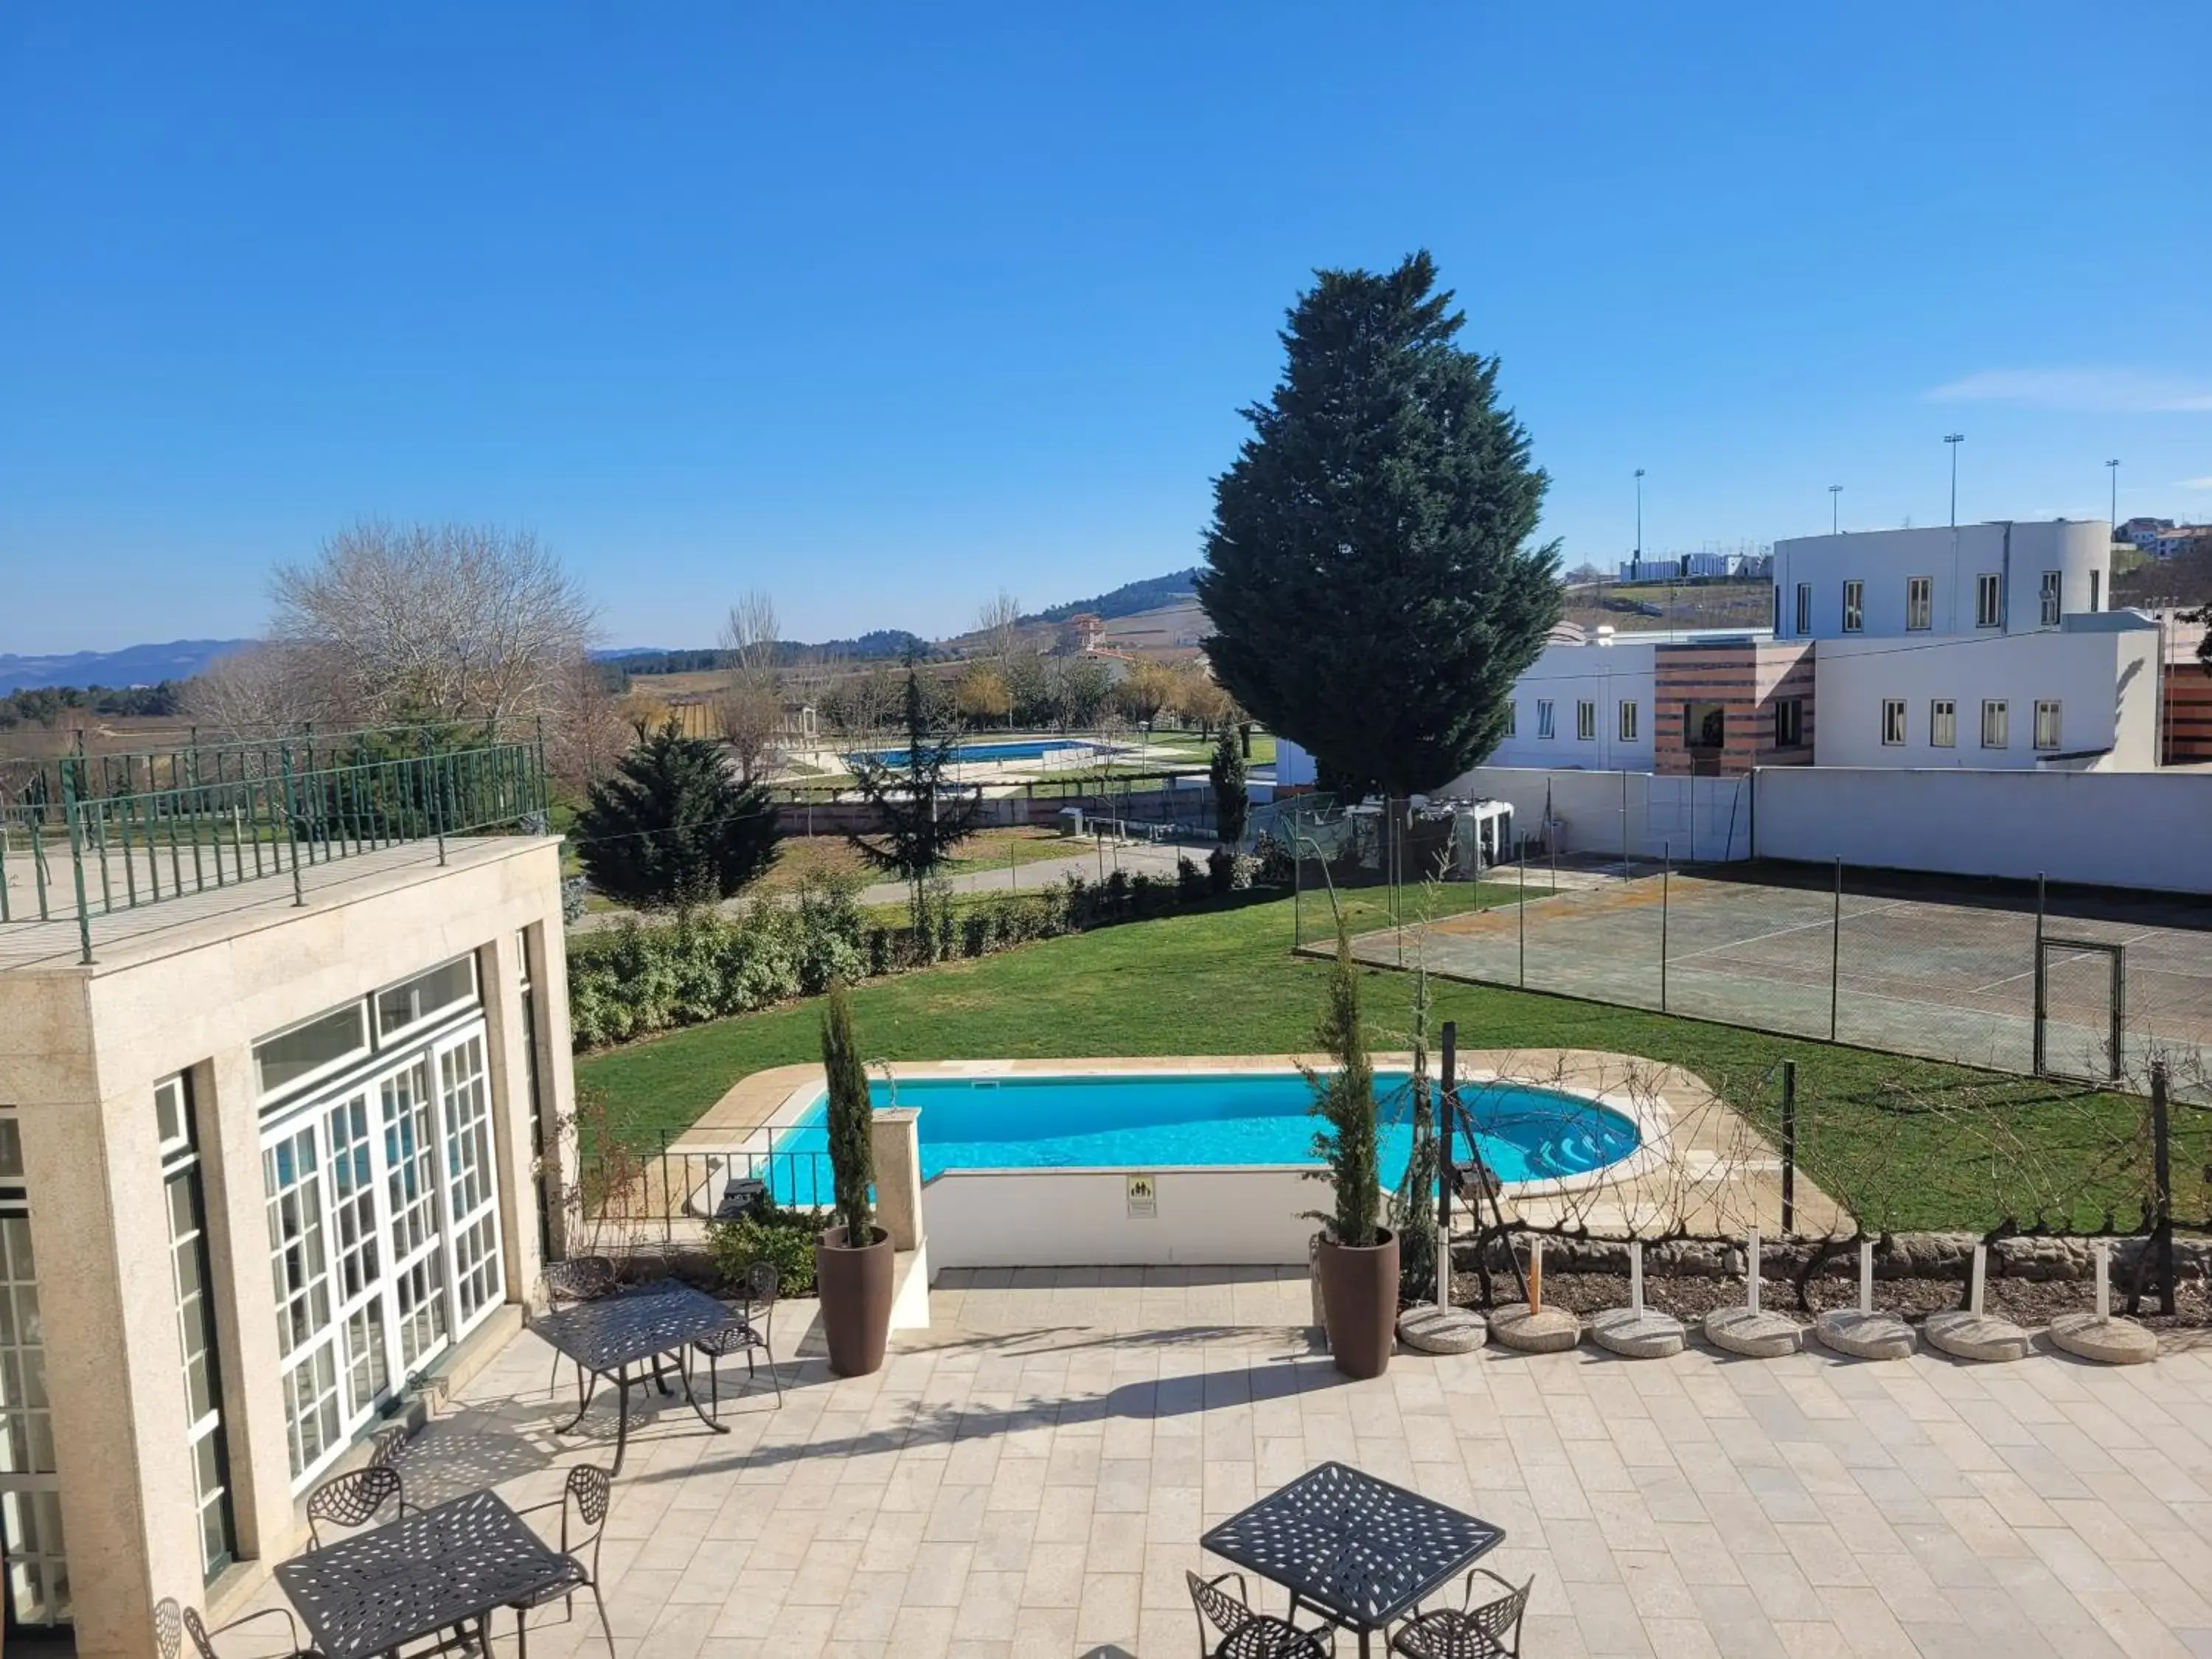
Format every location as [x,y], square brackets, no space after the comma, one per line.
[1432,1329]
[1978,1336]
[1756,1335]
[1865,1335]
[1637,1333]
[2113,1341]
[1545,1330]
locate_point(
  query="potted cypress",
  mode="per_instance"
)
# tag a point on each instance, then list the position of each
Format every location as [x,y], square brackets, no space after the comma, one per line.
[853,1280]
[1356,1257]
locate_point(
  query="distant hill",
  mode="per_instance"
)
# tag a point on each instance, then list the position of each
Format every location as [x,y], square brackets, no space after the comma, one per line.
[651,659]
[1128,600]
[134,665]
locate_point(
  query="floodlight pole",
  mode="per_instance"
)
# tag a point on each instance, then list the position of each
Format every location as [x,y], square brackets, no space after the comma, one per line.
[1835,509]
[1954,439]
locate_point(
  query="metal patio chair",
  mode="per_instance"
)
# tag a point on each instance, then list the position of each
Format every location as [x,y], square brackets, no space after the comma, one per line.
[1244,1634]
[748,1332]
[355,1498]
[586,1494]
[171,1623]
[579,1279]
[1490,1630]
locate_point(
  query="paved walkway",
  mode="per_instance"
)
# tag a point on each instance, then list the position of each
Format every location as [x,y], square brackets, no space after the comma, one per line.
[1029,1476]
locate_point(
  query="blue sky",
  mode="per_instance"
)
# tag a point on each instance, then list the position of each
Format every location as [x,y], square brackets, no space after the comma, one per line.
[882,310]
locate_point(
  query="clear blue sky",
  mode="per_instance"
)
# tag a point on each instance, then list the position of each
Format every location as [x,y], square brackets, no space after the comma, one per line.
[882,310]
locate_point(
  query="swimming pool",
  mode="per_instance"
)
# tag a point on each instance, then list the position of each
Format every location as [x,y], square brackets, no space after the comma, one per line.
[1154,1120]
[972,753]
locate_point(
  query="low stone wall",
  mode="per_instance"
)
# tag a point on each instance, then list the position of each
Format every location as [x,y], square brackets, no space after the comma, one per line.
[1904,1255]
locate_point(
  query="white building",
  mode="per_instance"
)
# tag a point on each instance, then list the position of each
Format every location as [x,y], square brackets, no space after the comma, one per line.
[1584,708]
[1978,580]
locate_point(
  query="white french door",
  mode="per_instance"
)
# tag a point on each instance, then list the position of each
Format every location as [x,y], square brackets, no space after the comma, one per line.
[383,1207]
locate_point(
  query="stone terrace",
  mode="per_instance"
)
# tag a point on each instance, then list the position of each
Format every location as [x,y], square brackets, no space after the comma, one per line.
[1030,1476]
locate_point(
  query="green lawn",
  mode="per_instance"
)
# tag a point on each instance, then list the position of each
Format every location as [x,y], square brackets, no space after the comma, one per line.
[1909,1143]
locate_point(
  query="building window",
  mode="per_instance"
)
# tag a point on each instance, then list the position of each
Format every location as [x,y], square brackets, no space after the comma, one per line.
[1989,600]
[1543,717]
[2046,726]
[1893,721]
[414,1002]
[1943,723]
[1919,603]
[382,1201]
[189,1279]
[1854,607]
[1628,722]
[1997,725]
[38,1577]
[1512,720]
[2096,585]
[2051,580]
[1585,721]
[314,1048]
[1790,723]
[1804,608]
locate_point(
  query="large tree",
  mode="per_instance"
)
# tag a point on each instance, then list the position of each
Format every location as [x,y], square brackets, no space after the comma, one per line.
[1370,576]
[673,827]
[923,816]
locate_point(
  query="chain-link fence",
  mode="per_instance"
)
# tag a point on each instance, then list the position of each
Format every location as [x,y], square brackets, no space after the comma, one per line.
[2013,976]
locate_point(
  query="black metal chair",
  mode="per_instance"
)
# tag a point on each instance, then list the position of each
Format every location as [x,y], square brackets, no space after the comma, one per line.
[1491,1630]
[749,1333]
[355,1498]
[587,1493]
[579,1279]
[171,1623]
[1245,1634]
[385,1445]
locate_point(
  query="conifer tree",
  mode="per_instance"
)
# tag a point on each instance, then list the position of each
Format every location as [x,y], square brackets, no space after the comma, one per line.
[673,827]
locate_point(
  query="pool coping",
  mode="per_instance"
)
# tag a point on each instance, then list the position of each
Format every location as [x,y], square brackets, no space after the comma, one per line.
[1684,1134]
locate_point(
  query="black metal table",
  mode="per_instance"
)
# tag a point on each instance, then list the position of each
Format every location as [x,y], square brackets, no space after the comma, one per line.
[607,1337]
[1358,1551]
[428,1573]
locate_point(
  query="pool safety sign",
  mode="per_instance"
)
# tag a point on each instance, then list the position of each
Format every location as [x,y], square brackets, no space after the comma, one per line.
[1144,1198]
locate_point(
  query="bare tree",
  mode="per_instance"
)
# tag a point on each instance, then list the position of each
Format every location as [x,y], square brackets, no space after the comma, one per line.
[749,708]
[593,731]
[452,622]
[999,623]
[264,690]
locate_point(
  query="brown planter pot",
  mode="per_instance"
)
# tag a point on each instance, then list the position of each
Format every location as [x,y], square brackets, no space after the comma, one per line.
[1359,1302]
[856,1287]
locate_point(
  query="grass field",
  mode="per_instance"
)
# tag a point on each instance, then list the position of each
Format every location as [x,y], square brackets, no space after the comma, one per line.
[1907,1143]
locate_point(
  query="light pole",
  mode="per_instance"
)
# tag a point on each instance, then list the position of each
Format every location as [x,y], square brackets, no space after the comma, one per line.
[1638,555]
[1954,439]
[1835,510]
[2113,467]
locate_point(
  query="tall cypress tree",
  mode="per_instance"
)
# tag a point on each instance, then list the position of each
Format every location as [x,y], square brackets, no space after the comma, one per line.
[1369,573]
[925,816]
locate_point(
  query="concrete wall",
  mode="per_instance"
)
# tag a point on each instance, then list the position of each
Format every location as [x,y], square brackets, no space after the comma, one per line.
[82,1050]
[2120,829]
[2103,680]
[1885,559]
[1682,818]
[1081,1218]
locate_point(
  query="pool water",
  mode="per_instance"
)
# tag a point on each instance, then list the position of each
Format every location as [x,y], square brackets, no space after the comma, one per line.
[1150,1123]
[968,753]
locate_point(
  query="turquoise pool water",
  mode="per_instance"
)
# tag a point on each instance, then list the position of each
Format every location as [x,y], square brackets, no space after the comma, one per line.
[1150,1122]
[967,752]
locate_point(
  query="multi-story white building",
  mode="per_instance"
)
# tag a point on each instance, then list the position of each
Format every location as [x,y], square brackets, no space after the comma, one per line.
[1975,581]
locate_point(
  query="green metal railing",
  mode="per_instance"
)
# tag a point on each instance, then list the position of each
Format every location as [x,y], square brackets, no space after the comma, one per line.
[89,835]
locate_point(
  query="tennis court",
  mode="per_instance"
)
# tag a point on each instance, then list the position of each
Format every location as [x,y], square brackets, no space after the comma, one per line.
[1923,966]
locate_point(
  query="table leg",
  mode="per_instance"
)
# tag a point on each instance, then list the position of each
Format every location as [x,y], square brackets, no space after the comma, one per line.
[521,1634]
[584,1404]
[683,1375]
[621,1418]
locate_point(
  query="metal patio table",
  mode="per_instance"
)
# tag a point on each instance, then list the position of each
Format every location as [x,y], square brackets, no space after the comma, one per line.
[606,1337]
[434,1571]
[1358,1551]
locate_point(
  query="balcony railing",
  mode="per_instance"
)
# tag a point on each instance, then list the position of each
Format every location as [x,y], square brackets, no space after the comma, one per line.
[90,835]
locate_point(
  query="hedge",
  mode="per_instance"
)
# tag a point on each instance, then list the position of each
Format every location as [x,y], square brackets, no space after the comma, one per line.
[636,979]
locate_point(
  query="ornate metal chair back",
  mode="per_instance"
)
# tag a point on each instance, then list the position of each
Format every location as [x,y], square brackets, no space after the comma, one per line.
[352,1499]
[588,1491]
[168,1627]
[1215,1607]
[197,1631]
[762,1284]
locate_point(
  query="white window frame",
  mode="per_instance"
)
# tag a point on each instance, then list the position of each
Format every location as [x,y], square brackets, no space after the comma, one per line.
[1943,723]
[1628,721]
[1585,719]
[421,1182]
[1854,607]
[1919,603]
[1804,608]
[1512,720]
[2053,601]
[1544,723]
[1989,600]
[2048,723]
[362,1011]
[1796,716]
[1997,717]
[1892,723]
[2096,586]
